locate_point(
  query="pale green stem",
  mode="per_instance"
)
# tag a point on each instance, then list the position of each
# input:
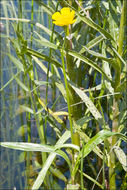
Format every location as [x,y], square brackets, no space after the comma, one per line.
[68,103]
[75,111]
[67,91]
[123,25]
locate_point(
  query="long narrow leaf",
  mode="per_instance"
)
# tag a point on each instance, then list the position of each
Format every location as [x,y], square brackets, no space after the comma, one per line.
[109,60]
[18,64]
[93,180]
[58,174]
[45,42]
[21,84]
[49,161]
[43,57]
[94,141]
[92,43]
[50,112]
[92,24]
[89,62]
[121,157]
[57,81]
[91,107]
[28,146]
[12,78]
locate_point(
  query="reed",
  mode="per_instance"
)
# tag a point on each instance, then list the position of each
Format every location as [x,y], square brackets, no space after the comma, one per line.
[65,74]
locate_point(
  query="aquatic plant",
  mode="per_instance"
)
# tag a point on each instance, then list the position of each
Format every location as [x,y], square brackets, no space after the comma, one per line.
[68,64]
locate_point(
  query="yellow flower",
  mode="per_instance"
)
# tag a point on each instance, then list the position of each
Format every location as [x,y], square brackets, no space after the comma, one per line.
[64,17]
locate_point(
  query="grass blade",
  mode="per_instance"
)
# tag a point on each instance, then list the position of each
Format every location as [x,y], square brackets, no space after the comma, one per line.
[49,161]
[91,107]
[18,64]
[89,62]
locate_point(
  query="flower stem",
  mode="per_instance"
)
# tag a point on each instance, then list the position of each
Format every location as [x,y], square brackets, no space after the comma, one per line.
[67,91]
[68,103]
[72,98]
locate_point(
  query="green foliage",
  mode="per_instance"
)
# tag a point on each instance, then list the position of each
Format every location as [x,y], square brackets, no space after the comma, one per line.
[69,82]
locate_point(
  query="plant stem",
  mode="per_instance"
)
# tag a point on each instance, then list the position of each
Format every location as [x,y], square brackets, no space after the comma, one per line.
[116,100]
[113,142]
[75,111]
[67,91]
[82,182]
[69,108]
[123,26]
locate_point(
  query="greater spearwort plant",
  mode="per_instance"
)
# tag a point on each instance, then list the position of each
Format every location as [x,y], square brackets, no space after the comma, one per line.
[64,18]
[81,118]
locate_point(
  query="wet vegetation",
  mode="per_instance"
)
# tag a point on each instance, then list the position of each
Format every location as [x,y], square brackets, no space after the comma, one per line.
[63,95]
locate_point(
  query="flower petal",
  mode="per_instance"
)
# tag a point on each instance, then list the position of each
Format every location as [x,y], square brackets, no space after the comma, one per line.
[56,15]
[64,17]
[73,21]
[65,11]
[58,23]
[72,14]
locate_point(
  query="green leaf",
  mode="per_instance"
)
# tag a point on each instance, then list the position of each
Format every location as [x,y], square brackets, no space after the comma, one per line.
[113,21]
[92,43]
[93,180]
[42,173]
[73,146]
[35,147]
[83,136]
[91,107]
[92,24]
[109,60]
[49,161]
[96,88]
[22,85]
[121,157]
[32,52]
[94,141]
[118,55]
[121,136]
[122,87]
[12,78]
[22,130]
[58,173]
[57,80]
[18,64]
[28,146]
[25,108]
[46,8]
[45,42]
[97,139]
[83,120]
[89,62]
[40,83]
[45,29]
[65,156]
